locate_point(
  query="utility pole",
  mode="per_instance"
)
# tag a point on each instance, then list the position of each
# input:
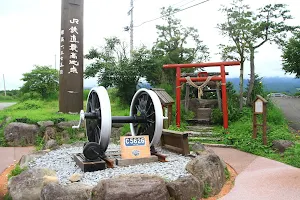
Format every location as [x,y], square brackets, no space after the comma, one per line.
[55,61]
[4,86]
[126,28]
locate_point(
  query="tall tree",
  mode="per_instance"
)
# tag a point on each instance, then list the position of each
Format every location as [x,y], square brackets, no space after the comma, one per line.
[42,80]
[113,68]
[236,28]
[172,45]
[269,25]
[291,55]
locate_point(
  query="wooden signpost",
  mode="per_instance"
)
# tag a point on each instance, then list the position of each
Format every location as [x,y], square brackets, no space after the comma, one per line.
[260,108]
[71,57]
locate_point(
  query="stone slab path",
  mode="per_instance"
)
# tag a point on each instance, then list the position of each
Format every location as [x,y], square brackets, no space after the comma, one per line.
[10,155]
[260,178]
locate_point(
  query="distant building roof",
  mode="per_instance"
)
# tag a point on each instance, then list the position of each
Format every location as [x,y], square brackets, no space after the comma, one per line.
[163,96]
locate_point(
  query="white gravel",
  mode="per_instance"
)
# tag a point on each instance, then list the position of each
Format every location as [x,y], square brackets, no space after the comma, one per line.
[61,161]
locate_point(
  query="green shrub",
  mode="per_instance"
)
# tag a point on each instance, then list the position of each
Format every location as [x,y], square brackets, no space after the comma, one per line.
[207,190]
[16,171]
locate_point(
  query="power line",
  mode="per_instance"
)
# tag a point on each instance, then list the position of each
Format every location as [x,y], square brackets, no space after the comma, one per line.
[186,3]
[172,13]
[178,3]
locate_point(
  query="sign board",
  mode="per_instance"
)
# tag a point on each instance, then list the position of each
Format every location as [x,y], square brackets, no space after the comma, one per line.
[135,147]
[258,106]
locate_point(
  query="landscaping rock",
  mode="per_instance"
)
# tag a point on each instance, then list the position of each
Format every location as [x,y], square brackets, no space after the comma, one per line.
[137,187]
[45,123]
[186,188]
[282,145]
[117,125]
[68,124]
[50,133]
[115,134]
[74,191]
[198,147]
[28,184]
[75,177]
[81,135]
[25,159]
[20,134]
[51,144]
[208,167]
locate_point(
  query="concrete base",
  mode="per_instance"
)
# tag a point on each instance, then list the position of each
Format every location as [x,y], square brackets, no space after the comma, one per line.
[135,161]
[89,166]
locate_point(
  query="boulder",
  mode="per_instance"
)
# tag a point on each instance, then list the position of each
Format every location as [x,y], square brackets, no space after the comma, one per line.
[68,124]
[282,145]
[135,186]
[115,134]
[198,147]
[73,191]
[50,133]
[81,135]
[28,185]
[208,167]
[51,144]
[117,125]
[20,134]
[45,123]
[26,159]
[75,177]
[184,188]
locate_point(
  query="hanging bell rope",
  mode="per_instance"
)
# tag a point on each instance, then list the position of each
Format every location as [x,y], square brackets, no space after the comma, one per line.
[200,88]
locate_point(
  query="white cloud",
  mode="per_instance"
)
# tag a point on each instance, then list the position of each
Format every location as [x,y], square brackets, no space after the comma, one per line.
[30,31]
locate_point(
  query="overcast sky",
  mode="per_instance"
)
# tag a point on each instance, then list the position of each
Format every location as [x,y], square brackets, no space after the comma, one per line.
[30,31]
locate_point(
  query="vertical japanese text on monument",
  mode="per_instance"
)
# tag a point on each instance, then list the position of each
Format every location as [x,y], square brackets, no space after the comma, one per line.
[62,40]
[73,61]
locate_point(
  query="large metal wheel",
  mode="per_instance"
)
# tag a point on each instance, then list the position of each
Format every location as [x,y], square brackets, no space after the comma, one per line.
[98,130]
[146,103]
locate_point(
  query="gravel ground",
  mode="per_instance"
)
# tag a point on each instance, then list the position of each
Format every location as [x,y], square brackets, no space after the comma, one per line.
[61,161]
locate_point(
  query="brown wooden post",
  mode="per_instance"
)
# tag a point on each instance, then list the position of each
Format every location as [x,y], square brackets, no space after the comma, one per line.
[265,124]
[71,57]
[260,108]
[187,97]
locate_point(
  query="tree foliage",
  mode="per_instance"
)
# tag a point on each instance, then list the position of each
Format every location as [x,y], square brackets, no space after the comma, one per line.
[291,56]
[42,82]
[249,31]
[236,27]
[113,68]
[171,44]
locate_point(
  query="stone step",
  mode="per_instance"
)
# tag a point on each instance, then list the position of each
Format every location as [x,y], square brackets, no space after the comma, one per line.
[200,128]
[199,134]
[204,139]
[203,113]
[198,121]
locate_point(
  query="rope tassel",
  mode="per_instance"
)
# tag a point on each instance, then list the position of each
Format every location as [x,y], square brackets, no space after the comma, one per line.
[200,88]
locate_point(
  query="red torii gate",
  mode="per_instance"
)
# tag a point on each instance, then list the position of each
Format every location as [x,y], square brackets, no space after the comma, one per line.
[179,79]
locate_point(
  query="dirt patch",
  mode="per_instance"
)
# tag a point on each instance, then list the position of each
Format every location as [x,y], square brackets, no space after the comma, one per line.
[4,181]
[227,186]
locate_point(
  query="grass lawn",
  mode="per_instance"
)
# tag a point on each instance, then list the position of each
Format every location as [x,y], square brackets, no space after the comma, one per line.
[32,111]
[240,136]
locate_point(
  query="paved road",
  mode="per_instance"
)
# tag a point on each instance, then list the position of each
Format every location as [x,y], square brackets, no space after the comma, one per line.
[4,105]
[291,109]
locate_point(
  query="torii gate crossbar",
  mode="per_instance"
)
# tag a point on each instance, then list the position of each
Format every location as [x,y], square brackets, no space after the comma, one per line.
[221,78]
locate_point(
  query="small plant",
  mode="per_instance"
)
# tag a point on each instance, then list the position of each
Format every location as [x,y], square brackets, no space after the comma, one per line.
[7,197]
[16,171]
[207,190]
[227,174]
